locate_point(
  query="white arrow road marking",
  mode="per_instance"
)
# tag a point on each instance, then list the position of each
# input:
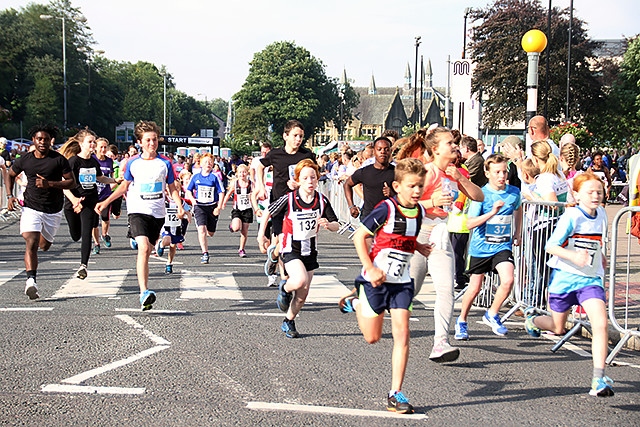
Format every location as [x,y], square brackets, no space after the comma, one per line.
[214,285]
[99,283]
[77,380]
[6,275]
[266,406]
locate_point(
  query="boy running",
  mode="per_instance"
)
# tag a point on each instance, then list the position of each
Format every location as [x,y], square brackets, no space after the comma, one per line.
[491,243]
[385,283]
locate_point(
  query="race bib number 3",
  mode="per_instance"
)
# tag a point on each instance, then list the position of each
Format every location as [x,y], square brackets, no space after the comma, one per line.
[498,229]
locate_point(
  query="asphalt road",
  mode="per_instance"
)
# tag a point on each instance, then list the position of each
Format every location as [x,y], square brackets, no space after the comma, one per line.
[211,352]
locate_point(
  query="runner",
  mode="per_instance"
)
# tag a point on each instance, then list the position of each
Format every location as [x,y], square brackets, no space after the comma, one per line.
[304,212]
[242,213]
[48,174]
[145,180]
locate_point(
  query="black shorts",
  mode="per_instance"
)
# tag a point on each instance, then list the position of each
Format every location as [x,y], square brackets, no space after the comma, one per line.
[116,206]
[310,261]
[145,225]
[384,297]
[485,265]
[204,216]
[246,215]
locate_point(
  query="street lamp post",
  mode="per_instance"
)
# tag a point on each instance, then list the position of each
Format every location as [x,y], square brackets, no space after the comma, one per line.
[90,54]
[415,86]
[533,42]
[79,18]
[164,77]
[467,11]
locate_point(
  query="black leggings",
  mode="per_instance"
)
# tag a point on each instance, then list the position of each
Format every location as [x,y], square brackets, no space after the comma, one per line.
[81,227]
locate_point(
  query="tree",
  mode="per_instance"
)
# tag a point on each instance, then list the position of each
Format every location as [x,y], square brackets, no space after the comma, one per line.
[619,120]
[501,63]
[219,107]
[286,82]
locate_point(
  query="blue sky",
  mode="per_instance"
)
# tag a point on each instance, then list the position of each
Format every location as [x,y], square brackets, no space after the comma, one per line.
[207,45]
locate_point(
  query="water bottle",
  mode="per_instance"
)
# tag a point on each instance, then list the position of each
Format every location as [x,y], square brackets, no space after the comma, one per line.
[446,191]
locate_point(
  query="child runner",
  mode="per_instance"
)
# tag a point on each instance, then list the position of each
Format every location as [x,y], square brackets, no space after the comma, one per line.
[242,213]
[174,231]
[491,242]
[578,264]
[385,283]
[305,211]
[208,189]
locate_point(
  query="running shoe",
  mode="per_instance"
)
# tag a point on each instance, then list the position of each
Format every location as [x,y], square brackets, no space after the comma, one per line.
[96,250]
[399,403]
[442,352]
[147,298]
[601,387]
[168,269]
[133,244]
[159,248]
[346,302]
[242,253]
[273,281]
[530,326]
[107,240]
[31,289]
[82,272]
[283,301]
[180,247]
[270,265]
[496,325]
[289,328]
[205,258]
[461,330]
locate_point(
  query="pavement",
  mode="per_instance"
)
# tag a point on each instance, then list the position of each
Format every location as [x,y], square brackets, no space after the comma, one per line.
[211,352]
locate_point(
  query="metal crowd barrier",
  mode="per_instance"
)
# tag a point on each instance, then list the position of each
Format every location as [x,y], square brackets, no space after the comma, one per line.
[335,193]
[6,214]
[624,282]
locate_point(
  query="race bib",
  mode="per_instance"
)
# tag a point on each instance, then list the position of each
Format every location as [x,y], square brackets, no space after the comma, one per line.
[498,229]
[205,194]
[87,177]
[593,248]
[305,225]
[151,190]
[171,218]
[243,202]
[395,264]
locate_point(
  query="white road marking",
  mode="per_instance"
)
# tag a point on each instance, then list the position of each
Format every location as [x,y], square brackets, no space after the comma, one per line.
[6,275]
[266,406]
[572,347]
[244,313]
[211,285]
[153,337]
[152,311]
[99,283]
[27,309]
[326,289]
[64,388]
[78,379]
[70,262]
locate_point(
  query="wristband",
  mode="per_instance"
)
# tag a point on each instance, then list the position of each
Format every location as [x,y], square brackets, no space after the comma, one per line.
[352,206]
[9,196]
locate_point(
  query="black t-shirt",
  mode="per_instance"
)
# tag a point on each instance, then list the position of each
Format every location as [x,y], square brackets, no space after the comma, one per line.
[373,181]
[5,155]
[52,167]
[283,166]
[85,172]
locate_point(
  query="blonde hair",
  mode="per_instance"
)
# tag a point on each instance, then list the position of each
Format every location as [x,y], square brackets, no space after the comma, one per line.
[432,138]
[529,168]
[409,166]
[542,151]
[570,152]
[70,148]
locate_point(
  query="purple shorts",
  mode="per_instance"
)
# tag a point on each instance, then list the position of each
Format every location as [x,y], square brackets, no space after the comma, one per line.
[563,302]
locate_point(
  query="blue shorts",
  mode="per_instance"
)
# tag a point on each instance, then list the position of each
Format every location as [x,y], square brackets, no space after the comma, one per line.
[563,302]
[375,300]
[175,239]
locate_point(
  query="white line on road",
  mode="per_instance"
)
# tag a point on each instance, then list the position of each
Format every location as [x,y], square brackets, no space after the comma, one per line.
[78,379]
[154,311]
[147,333]
[6,275]
[99,283]
[213,285]
[27,309]
[244,313]
[63,388]
[266,406]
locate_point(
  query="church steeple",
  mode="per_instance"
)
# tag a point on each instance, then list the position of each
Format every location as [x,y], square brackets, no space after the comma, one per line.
[372,86]
[343,78]
[429,74]
[407,78]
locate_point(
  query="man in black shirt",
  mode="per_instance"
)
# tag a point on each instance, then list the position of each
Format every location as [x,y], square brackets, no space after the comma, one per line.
[376,179]
[48,173]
